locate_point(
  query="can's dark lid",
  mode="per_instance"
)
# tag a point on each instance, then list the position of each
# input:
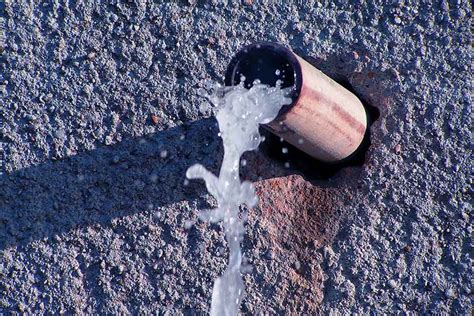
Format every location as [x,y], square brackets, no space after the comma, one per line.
[267,62]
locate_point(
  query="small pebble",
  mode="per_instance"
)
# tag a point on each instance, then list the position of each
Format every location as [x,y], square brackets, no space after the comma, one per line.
[465,216]
[45,98]
[21,307]
[450,293]
[417,63]
[398,148]
[91,55]
[60,134]
[152,228]
[87,90]
[393,284]
[297,265]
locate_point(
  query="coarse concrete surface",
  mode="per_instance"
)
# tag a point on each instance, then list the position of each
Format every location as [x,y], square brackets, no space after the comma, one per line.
[100,119]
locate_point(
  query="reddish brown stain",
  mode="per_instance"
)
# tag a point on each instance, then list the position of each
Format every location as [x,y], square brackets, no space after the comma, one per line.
[295,210]
[297,218]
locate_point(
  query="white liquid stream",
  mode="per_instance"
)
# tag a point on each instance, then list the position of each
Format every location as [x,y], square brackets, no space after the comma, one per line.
[239,112]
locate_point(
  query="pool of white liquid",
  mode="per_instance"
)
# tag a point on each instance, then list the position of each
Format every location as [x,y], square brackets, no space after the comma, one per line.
[239,112]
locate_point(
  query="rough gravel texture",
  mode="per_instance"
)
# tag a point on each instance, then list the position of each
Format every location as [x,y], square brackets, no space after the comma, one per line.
[100,120]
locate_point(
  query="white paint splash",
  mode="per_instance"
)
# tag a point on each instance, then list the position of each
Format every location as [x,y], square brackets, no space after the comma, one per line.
[239,112]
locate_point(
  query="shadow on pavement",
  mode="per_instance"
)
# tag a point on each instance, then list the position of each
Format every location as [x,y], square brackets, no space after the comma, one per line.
[107,182]
[113,181]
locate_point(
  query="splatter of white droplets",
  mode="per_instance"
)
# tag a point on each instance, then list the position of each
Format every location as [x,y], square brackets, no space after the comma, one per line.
[239,112]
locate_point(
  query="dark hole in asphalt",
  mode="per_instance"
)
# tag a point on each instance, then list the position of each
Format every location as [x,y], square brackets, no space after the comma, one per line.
[311,168]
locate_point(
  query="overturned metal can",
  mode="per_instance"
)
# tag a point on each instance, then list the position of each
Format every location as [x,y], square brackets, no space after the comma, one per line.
[324,120]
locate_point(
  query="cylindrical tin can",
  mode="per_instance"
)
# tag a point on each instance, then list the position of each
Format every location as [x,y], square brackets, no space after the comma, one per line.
[324,120]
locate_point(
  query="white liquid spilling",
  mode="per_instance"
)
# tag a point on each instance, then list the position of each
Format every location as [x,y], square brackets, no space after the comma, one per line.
[239,112]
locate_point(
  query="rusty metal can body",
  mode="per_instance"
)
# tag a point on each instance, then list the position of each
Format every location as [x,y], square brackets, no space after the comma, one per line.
[325,120]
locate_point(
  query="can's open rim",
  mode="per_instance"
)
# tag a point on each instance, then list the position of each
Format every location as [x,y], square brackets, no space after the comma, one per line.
[267,62]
